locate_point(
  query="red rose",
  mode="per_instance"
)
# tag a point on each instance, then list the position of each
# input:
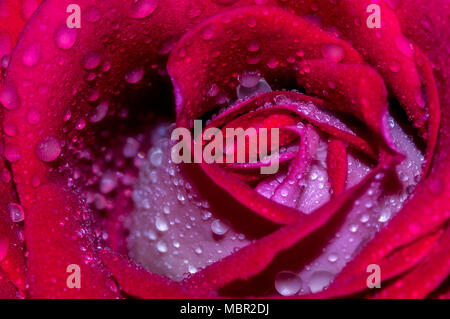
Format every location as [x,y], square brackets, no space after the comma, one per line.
[357,91]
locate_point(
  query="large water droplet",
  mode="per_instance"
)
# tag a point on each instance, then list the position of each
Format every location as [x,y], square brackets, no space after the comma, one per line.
[161,246]
[249,79]
[253,46]
[161,224]
[156,156]
[31,54]
[99,113]
[207,32]
[333,51]
[287,283]
[220,227]
[134,76]
[65,38]
[405,46]
[48,149]
[108,183]
[33,116]
[12,153]
[91,60]
[141,9]
[9,97]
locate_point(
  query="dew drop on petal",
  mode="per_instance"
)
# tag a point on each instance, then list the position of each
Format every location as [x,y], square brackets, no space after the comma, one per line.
[48,149]
[141,9]
[332,258]
[16,212]
[99,112]
[108,183]
[161,224]
[91,60]
[9,97]
[31,55]
[219,227]
[12,153]
[249,79]
[404,46]
[33,116]
[333,51]
[134,76]
[161,246]
[156,157]
[65,38]
[287,283]
[253,46]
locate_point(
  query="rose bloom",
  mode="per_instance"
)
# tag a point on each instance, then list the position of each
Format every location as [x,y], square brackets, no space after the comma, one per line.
[93,206]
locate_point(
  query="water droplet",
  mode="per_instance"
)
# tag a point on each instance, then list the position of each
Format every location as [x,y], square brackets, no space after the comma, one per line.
[207,32]
[91,60]
[405,46]
[48,149]
[161,224]
[108,183]
[161,246]
[319,280]
[9,97]
[16,212]
[33,116]
[99,113]
[287,283]
[192,269]
[384,216]
[253,46]
[249,79]
[65,38]
[10,129]
[419,98]
[364,218]
[141,9]
[31,55]
[93,14]
[156,156]
[333,51]
[134,76]
[220,227]
[272,63]
[12,153]
[332,258]
[166,210]
[353,228]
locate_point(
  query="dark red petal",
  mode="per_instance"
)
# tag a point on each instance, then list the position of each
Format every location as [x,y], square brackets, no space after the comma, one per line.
[58,235]
[14,14]
[427,276]
[138,282]
[214,53]
[7,288]
[11,241]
